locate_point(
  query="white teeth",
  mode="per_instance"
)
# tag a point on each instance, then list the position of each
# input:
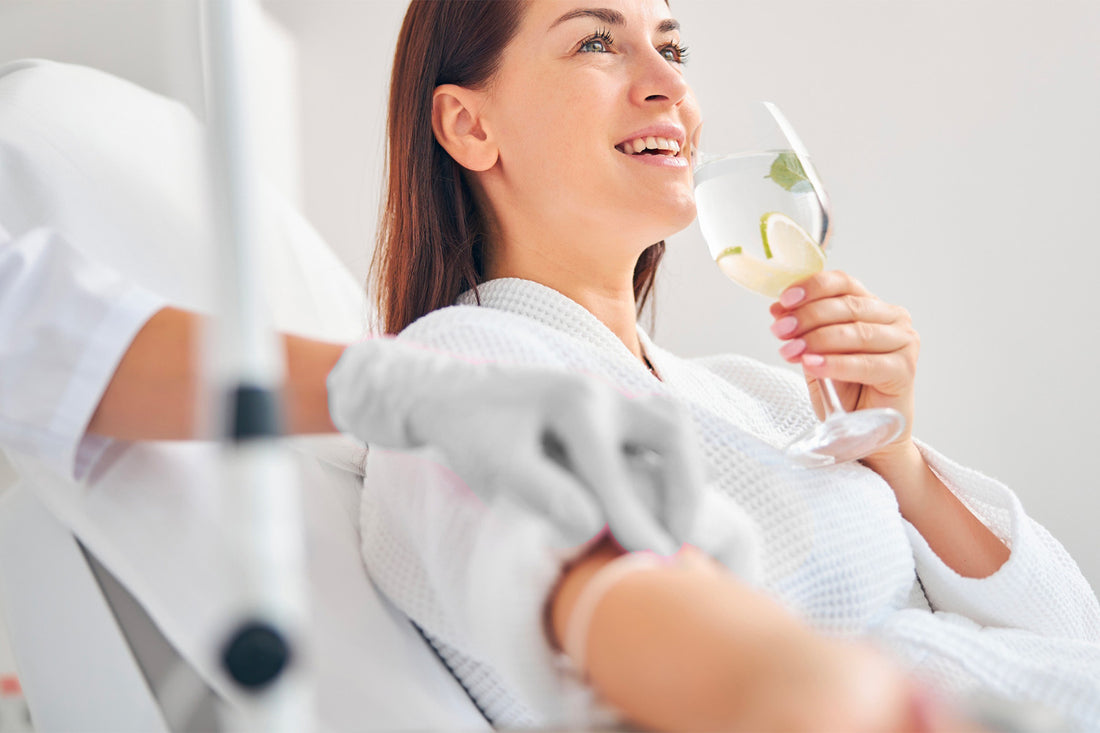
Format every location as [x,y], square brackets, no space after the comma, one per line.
[652,143]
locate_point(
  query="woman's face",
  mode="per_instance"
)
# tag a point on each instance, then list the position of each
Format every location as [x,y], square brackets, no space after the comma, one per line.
[581,83]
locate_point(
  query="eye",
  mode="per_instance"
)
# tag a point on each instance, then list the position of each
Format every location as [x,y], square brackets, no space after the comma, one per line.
[598,42]
[674,52]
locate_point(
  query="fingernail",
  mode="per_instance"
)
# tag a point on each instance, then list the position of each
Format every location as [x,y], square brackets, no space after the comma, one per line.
[792,349]
[791,296]
[784,325]
[813,360]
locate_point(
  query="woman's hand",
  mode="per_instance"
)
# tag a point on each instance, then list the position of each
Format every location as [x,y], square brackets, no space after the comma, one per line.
[834,328]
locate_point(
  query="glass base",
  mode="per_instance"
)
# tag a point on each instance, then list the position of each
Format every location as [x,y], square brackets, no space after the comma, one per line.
[847,436]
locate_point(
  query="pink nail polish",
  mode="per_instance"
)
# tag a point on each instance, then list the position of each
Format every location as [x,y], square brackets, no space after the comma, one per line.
[791,296]
[813,360]
[792,349]
[784,325]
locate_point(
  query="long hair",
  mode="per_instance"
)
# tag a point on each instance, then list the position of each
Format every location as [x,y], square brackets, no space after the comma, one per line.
[432,236]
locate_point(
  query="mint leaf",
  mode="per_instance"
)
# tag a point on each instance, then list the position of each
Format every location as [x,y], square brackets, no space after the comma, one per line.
[787,172]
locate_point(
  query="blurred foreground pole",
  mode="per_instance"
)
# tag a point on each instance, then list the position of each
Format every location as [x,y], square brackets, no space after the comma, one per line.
[263,647]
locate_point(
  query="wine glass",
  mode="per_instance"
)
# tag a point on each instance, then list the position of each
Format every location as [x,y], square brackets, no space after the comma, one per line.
[766,219]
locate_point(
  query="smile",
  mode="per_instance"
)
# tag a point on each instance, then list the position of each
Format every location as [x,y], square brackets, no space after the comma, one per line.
[660,145]
[649,146]
[654,151]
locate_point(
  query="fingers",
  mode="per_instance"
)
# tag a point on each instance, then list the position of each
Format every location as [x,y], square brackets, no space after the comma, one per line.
[846,338]
[848,308]
[638,524]
[551,490]
[825,284]
[889,373]
[592,429]
[830,316]
[660,425]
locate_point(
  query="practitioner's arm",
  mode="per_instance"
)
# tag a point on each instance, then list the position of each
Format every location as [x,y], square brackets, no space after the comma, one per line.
[154,391]
[397,396]
[686,646]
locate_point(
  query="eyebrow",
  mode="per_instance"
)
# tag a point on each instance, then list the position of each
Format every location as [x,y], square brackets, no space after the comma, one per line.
[612,17]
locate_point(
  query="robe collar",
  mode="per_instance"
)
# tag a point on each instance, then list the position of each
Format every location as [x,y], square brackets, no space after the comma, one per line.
[555,310]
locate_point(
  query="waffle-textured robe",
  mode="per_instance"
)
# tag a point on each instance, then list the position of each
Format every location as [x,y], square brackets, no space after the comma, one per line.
[834,547]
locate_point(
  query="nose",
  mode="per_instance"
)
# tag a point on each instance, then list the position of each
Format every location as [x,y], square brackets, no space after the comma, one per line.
[658,80]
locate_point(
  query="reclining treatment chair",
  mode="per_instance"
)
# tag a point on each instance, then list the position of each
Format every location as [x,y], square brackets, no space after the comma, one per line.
[114,585]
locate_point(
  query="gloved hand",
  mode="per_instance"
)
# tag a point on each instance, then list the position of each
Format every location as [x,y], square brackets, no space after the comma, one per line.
[564,445]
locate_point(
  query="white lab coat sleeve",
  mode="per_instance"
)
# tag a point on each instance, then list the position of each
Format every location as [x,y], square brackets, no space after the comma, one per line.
[1039,588]
[65,323]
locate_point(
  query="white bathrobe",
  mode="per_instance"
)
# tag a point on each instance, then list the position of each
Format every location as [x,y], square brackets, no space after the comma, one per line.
[835,548]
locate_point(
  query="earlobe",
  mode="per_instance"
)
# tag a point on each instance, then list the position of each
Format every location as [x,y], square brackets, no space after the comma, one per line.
[458,127]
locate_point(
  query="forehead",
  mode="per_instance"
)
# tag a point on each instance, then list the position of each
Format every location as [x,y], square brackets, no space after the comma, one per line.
[543,15]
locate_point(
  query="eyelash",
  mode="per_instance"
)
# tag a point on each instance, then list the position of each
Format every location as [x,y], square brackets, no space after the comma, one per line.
[604,36]
[681,52]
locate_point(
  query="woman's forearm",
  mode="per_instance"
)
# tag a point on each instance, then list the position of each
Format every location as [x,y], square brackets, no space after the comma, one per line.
[952,531]
[688,646]
[155,391]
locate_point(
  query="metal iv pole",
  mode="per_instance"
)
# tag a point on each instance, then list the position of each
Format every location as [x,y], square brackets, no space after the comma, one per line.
[262,651]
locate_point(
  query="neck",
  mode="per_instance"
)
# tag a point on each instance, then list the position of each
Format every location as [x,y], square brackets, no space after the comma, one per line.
[606,290]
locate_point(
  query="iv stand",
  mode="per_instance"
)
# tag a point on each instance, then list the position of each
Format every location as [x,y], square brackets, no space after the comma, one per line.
[262,651]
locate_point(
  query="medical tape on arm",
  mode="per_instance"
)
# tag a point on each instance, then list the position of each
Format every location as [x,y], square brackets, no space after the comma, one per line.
[576,631]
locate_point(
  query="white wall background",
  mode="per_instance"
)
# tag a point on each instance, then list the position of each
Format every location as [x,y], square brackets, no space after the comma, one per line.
[959,139]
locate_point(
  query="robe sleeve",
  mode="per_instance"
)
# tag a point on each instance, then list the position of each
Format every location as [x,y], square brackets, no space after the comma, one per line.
[65,323]
[1039,588]
[474,577]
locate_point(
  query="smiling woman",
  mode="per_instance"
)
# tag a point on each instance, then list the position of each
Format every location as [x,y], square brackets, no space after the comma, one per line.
[539,155]
[557,90]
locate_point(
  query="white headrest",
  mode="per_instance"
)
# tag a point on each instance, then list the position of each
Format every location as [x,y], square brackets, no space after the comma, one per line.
[121,173]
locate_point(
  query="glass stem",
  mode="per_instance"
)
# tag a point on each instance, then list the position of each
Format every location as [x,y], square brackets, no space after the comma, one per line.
[831,400]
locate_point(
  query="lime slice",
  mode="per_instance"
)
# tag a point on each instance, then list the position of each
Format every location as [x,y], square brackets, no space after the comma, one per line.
[792,255]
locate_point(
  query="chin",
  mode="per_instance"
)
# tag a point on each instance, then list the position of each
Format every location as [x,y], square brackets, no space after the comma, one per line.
[649,218]
[655,224]
[676,216]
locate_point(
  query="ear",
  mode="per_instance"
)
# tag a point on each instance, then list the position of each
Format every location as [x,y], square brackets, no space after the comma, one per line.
[459,128]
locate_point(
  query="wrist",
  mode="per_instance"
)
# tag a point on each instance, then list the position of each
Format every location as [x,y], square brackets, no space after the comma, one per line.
[896,459]
[903,467]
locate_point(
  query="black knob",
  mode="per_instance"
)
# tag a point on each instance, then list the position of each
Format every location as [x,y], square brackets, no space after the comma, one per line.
[255,655]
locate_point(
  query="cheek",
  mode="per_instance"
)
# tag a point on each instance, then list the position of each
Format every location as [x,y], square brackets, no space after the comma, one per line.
[553,142]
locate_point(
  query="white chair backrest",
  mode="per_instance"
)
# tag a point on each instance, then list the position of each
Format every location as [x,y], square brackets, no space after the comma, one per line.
[61,620]
[120,172]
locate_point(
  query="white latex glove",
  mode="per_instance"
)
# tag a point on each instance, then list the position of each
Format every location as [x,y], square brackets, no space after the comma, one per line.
[562,444]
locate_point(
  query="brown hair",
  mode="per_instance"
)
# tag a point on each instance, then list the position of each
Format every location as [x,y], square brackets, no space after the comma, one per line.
[432,236]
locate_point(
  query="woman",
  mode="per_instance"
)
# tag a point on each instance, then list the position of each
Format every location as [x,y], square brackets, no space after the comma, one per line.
[519,195]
